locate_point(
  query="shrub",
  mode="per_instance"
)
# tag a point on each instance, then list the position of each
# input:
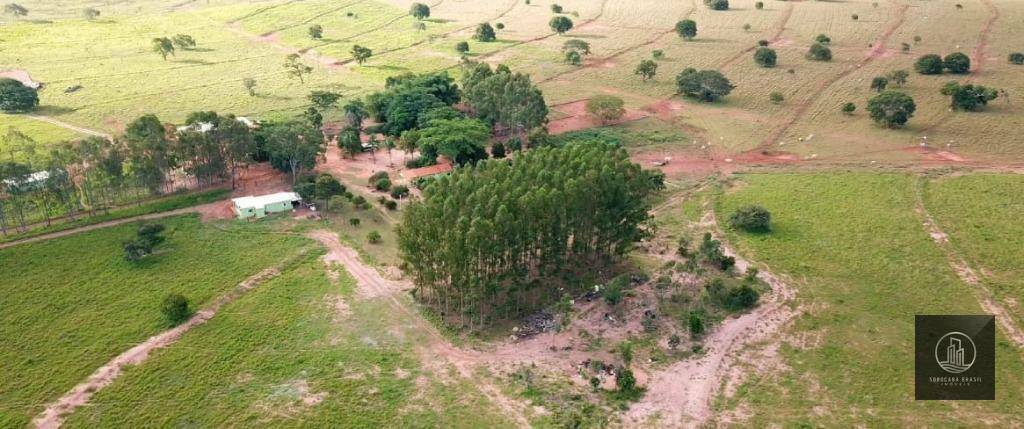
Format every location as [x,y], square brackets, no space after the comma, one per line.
[573,58]
[739,298]
[849,108]
[855,17]
[560,24]
[696,324]
[968,97]
[776,97]
[399,191]
[891,109]
[462,47]
[354,221]
[765,57]
[612,294]
[485,33]
[556,8]
[373,237]
[705,85]
[377,176]
[687,29]
[762,42]
[316,31]
[499,26]
[498,150]
[957,63]
[823,39]
[606,108]
[658,54]
[382,185]
[717,4]
[879,83]
[625,382]
[759,5]
[819,52]
[1016,58]
[175,309]
[391,205]
[752,218]
[929,64]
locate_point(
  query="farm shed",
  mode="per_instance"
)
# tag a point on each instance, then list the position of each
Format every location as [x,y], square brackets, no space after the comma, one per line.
[260,206]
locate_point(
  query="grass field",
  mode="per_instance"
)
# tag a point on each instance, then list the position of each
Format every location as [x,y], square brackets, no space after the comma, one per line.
[864,266]
[300,351]
[92,305]
[981,214]
[121,78]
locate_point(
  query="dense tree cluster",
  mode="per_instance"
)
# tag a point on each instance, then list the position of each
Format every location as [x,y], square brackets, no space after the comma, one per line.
[751,219]
[956,63]
[502,98]
[488,242]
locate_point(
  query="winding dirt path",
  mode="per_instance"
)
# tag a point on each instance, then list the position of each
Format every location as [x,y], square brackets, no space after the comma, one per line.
[682,394]
[370,284]
[877,50]
[53,416]
[965,272]
[780,27]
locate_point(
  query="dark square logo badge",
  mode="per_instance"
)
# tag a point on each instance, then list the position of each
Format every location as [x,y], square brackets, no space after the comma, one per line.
[955,357]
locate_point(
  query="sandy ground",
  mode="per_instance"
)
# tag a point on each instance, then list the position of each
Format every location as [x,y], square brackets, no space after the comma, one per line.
[53,416]
[578,118]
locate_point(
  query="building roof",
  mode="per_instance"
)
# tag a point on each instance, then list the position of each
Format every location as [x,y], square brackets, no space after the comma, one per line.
[432,170]
[264,200]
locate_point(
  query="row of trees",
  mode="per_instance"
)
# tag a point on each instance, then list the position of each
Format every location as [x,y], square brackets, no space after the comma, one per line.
[488,242]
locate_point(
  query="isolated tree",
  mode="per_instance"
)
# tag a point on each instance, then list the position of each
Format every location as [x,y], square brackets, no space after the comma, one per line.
[1016,58]
[687,29]
[763,42]
[355,112]
[581,46]
[929,64]
[573,57]
[184,42]
[15,10]
[898,77]
[419,11]
[646,69]
[855,17]
[823,39]
[746,27]
[295,67]
[606,108]
[556,8]
[349,141]
[175,309]
[849,108]
[819,52]
[776,97]
[250,86]
[751,218]
[765,57]
[293,146]
[969,97]
[324,100]
[163,46]
[15,97]
[90,13]
[957,63]
[560,24]
[316,31]
[879,83]
[717,4]
[361,54]
[484,33]
[462,47]
[325,187]
[905,47]
[705,85]
[891,109]
[658,54]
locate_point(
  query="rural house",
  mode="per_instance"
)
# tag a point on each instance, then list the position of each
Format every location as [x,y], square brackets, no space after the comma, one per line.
[260,206]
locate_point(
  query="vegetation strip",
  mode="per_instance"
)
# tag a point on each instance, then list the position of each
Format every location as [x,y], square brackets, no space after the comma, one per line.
[55,413]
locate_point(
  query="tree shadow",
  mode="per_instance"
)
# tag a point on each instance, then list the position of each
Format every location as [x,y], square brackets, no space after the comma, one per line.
[272,97]
[51,110]
[589,36]
[439,20]
[193,61]
[199,50]
[388,68]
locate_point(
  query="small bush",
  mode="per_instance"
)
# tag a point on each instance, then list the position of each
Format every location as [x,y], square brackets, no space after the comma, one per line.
[929,64]
[717,4]
[391,205]
[849,108]
[742,297]
[175,309]
[696,324]
[354,221]
[373,237]
[759,5]
[382,185]
[625,382]
[819,52]
[462,47]
[1016,58]
[556,8]
[399,191]
[776,97]
[751,219]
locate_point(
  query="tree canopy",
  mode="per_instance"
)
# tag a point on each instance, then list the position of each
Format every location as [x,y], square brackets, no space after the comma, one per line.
[606,108]
[687,29]
[705,85]
[968,97]
[560,24]
[929,64]
[293,146]
[646,69]
[485,33]
[765,57]
[419,11]
[819,52]
[717,4]
[503,98]
[891,109]
[483,241]
[461,140]
[957,63]
[16,97]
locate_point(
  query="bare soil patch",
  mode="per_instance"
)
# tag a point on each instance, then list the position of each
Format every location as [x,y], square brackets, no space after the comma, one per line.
[577,118]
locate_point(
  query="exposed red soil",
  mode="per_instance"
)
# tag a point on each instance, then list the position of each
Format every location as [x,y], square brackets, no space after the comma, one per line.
[579,119]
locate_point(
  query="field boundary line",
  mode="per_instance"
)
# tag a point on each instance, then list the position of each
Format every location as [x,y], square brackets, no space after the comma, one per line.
[963,269]
[101,225]
[53,416]
[67,126]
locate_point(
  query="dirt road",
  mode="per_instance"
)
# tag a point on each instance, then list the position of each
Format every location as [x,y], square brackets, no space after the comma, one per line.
[53,416]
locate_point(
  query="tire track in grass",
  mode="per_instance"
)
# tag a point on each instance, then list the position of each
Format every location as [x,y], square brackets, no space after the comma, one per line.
[311,18]
[780,27]
[54,414]
[977,61]
[878,48]
[623,51]
[963,269]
